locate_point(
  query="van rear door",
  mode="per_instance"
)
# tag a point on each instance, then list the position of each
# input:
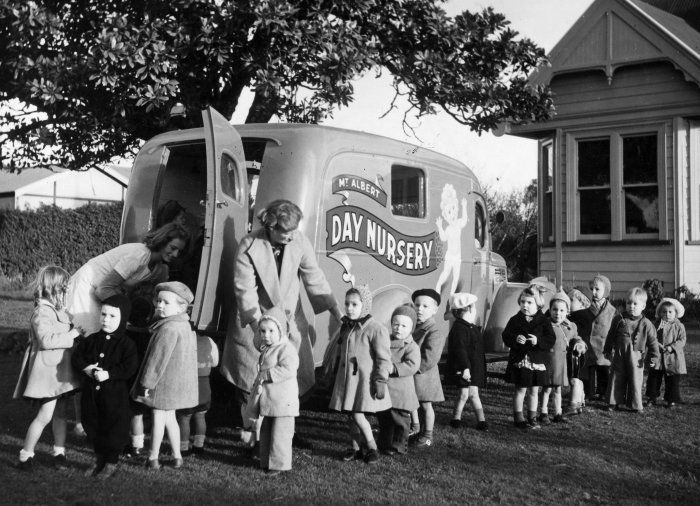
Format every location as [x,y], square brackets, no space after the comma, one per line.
[226,216]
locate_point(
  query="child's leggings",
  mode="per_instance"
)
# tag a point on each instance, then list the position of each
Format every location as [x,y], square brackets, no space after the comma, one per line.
[276,435]
[672,392]
[626,377]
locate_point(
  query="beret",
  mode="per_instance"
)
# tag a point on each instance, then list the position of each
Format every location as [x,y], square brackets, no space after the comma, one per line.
[462,300]
[177,288]
[428,292]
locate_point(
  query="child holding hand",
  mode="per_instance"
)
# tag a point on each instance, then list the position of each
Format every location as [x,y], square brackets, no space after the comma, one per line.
[631,336]
[466,360]
[394,423]
[529,336]
[671,337]
[167,380]
[107,359]
[47,376]
[363,370]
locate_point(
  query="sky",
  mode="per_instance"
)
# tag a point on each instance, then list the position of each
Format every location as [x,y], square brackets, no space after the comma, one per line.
[505,162]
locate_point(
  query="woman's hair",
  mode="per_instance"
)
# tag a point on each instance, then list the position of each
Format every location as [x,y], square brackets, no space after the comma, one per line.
[282,215]
[535,294]
[637,293]
[168,212]
[158,238]
[51,284]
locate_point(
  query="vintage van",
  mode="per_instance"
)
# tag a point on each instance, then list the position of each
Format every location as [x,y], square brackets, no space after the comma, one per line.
[378,211]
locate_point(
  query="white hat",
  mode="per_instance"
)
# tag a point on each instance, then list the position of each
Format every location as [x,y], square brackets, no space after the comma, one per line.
[462,300]
[680,310]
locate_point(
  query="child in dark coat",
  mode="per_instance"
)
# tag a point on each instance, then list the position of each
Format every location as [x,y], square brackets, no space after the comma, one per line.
[466,360]
[395,423]
[107,360]
[529,336]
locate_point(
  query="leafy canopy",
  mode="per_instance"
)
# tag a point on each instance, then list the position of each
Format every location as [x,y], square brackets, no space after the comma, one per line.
[82,81]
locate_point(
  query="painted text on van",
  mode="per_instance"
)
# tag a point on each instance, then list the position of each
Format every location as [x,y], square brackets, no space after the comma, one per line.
[354,228]
[348,182]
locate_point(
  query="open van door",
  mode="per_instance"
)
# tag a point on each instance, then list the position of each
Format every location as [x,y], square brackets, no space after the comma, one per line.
[226,217]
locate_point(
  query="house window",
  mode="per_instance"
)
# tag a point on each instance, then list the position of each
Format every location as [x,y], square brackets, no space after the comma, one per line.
[547,161]
[407,192]
[614,181]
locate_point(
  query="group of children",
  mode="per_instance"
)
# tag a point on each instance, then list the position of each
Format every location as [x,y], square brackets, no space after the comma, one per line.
[393,373]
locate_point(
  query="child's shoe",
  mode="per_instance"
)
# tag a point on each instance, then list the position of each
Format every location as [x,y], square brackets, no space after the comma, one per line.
[352,454]
[60,462]
[543,419]
[520,424]
[372,456]
[424,442]
[107,472]
[650,402]
[671,404]
[482,425]
[178,463]
[559,418]
[27,465]
[152,464]
[197,450]
[131,452]
[455,423]
[96,468]
[573,410]
[532,424]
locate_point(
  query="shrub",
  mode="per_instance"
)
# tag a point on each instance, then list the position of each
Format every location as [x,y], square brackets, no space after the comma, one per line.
[655,292]
[31,239]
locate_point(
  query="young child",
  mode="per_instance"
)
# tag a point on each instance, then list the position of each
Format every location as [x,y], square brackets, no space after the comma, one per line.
[107,360]
[394,423]
[466,360]
[631,336]
[566,337]
[671,337]
[46,376]
[363,370]
[529,336]
[593,326]
[167,379]
[207,357]
[431,342]
[576,359]
[275,392]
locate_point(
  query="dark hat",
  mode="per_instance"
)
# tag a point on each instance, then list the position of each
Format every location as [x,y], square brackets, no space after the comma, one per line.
[177,288]
[122,303]
[428,292]
[405,310]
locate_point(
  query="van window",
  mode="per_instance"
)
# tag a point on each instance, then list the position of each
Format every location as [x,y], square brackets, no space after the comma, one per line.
[228,177]
[407,191]
[479,226]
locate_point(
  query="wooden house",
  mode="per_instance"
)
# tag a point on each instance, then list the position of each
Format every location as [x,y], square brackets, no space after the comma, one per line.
[619,163]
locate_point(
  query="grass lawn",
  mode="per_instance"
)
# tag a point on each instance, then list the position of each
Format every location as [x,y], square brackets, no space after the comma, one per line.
[599,457]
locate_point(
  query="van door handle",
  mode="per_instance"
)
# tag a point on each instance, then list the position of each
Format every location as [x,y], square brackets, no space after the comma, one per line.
[221,203]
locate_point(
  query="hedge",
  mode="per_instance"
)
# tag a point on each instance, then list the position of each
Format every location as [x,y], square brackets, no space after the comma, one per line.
[50,235]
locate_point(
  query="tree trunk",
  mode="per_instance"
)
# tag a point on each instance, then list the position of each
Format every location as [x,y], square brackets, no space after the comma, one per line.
[263,107]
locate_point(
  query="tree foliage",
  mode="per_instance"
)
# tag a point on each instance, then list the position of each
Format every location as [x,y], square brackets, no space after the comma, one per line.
[84,80]
[515,239]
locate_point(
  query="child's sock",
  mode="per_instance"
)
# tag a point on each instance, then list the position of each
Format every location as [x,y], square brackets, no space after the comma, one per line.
[199,440]
[544,410]
[25,455]
[531,415]
[518,416]
[137,440]
[427,434]
[479,415]
[184,446]
[59,450]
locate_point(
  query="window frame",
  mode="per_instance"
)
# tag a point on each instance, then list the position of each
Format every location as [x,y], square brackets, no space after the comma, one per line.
[547,145]
[422,193]
[617,196]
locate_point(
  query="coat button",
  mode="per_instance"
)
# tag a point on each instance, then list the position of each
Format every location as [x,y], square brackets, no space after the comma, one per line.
[107,338]
[97,387]
[102,355]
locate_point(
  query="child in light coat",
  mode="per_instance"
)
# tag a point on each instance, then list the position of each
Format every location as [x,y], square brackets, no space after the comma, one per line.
[47,376]
[394,423]
[672,339]
[364,364]
[466,360]
[167,380]
[632,336]
[576,358]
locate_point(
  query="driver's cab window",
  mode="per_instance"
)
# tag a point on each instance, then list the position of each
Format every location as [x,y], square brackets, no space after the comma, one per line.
[254,150]
[479,226]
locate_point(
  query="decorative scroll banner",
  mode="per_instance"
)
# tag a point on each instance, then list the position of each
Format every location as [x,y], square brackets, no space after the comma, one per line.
[347,182]
[355,228]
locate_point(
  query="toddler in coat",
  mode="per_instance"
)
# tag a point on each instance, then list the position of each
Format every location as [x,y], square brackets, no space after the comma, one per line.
[576,358]
[671,336]
[466,360]
[631,337]
[394,423]
[167,380]
[566,337]
[431,342]
[364,364]
[529,336]
[107,360]
[274,396]
[46,376]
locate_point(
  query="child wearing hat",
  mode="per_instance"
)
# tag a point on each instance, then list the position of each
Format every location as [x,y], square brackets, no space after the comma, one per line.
[275,392]
[394,423]
[363,365]
[108,360]
[671,336]
[431,342]
[593,326]
[566,337]
[466,360]
[167,380]
[576,359]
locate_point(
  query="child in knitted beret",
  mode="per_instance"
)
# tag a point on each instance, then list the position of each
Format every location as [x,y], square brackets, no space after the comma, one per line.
[363,370]
[394,423]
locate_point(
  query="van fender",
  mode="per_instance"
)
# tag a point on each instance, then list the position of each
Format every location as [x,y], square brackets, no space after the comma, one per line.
[386,299]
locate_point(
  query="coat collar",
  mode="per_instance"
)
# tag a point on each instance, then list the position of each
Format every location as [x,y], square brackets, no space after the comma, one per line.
[182,317]
[426,325]
[397,344]
[263,258]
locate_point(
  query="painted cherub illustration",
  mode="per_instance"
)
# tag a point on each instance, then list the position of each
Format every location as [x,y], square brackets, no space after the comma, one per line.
[452,234]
